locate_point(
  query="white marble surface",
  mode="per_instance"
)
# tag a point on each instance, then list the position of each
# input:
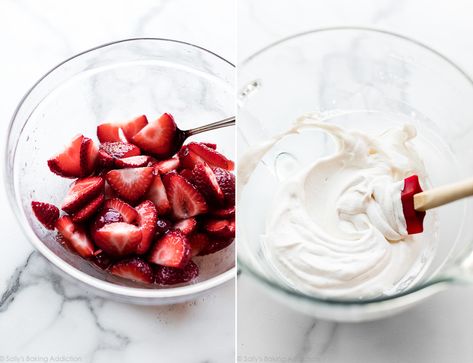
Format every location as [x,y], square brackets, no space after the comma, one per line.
[439,330]
[43,316]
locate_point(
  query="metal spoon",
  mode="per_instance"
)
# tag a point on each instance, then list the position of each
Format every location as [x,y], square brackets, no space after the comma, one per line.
[182,135]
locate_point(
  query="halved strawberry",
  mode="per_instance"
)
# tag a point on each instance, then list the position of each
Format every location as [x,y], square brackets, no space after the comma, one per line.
[88,156]
[186,226]
[224,212]
[220,228]
[171,276]
[81,192]
[157,194]
[89,210]
[128,213]
[75,236]
[188,159]
[132,127]
[204,179]
[104,160]
[211,156]
[118,239]
[130,184]
[216,244]
[147,218]
[133,269]
[172,250]
[46,213]
[226,181]
[68,162]
[158,137]
[185,200]
[132,161]
[165,166]
[120,149]
[199,242]
[110,132]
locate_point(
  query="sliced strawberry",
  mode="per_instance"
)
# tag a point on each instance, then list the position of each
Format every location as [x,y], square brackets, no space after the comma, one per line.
[157,194]
[220,228]
[132,127]
[148,216]
[172,250]
[185,200]
[224,212]
[67,163]
[120,149]
[216,244]
[132,161]
[121,131]
[110,132]
[188,159]
[133,269]
[81,192]
[130,184]
[226,181]
[104,160]
[171,276]
[158,137]
[88,156]
[204,179]
[186,173]
[128,213]
[46,213]
[186,226]
[163,225]
[75,236]
[210,145]
[89,210]
[211,156]
[165,166]
[118,239]
[199,242]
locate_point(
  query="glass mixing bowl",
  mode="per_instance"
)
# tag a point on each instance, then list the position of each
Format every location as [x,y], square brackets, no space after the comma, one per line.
[376,75]
[116,81]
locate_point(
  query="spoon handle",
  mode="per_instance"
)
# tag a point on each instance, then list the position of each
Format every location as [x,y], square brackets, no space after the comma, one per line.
[229,121]
[442,195]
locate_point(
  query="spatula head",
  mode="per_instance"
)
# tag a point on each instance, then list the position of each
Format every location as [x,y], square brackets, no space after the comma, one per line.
[414,219]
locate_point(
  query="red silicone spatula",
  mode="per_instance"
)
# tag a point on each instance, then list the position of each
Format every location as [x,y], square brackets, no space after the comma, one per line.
[415,201]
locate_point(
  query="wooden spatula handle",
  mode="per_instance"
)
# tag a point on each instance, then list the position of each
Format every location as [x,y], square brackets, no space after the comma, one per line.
[442,195]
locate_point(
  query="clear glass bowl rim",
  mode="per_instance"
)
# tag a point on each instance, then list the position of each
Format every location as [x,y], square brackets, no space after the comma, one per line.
[104,286]
[319,299]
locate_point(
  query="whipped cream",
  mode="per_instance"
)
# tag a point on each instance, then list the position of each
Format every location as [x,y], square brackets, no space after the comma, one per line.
[337,227]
